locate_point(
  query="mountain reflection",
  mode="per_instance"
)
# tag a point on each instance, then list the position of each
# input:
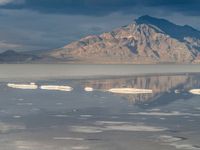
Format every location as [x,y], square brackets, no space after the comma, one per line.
[159,84]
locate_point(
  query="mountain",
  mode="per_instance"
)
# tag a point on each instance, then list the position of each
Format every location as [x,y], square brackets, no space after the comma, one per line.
[173,30]
[147,40]
[11,56]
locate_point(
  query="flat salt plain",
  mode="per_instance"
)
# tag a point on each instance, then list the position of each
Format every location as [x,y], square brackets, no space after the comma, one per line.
[58,71]
[91,117]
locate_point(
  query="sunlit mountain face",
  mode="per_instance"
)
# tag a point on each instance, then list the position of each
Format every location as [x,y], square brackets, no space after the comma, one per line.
[147,40]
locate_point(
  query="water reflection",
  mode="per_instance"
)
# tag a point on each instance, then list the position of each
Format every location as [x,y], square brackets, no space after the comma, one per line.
[160,85]
[137,89]
[91,116]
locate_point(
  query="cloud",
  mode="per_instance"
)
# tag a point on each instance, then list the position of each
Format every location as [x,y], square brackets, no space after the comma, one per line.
[36,31]
[104,7]
[5,2]
[49,24]
[5,45]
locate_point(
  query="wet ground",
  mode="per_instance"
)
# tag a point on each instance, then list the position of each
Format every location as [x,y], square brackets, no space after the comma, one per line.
[167,119]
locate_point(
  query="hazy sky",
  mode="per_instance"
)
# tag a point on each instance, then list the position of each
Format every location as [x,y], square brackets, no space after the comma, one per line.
[49,24]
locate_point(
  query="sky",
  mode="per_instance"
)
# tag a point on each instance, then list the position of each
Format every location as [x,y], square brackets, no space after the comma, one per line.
[30,25]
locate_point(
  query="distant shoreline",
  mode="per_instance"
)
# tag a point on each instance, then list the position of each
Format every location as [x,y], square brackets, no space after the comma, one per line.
[65,71]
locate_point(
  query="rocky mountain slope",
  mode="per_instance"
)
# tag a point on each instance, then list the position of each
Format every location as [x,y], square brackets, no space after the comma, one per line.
[147,40]
[11,56]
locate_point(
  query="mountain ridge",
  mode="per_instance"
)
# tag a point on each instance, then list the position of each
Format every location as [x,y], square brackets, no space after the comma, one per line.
[169,27]
[11,56]
[146,40]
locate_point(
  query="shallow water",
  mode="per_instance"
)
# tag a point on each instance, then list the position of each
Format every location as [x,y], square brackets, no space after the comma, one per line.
[166,119]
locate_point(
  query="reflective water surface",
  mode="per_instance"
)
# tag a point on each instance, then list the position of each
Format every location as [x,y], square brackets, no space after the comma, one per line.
[38,119]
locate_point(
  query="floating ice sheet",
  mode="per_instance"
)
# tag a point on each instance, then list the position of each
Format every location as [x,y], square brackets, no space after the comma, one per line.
[56,88]
[195,91]
[173,113]
[30,86]
[130,91]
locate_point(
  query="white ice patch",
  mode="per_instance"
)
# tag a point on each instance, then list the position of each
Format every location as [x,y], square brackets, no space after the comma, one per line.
[31,86]
[169,139]
[177,142]
[68,138]
[155,109]
[102,126]
[195,91]
[139,128]
[32,145]
[110,122]
[88,89]
[130,91]
[184,146]
[177,91]
[80,147]
[86,129]
[56,88]
[17,117]
[173,113]
[86,116]
[60,116]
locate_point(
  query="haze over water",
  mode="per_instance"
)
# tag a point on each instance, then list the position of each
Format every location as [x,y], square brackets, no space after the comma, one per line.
[167,119]
[73,71]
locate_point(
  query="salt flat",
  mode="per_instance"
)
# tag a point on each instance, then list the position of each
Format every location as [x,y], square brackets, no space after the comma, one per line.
[69,71]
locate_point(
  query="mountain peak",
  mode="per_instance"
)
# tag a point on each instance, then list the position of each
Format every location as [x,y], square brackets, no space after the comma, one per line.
[173,30]
[149,19]
[145,17]
[147,40]
[9,52]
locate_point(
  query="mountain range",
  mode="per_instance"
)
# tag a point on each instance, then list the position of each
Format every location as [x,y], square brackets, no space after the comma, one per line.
[147,40]
[11,56]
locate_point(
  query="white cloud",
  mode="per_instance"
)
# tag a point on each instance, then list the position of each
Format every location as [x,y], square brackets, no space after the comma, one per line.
[5,45]
[4,2]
